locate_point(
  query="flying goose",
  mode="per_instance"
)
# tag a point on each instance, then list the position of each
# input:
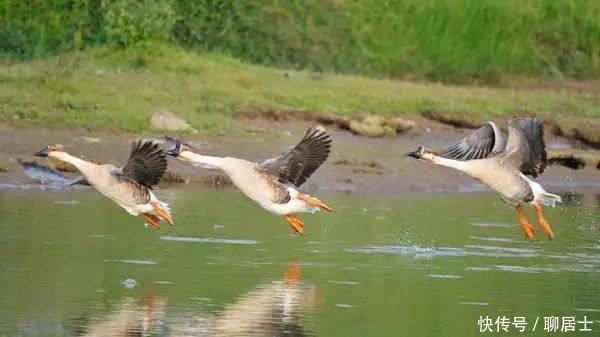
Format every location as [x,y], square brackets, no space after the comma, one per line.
[129,186]
[273,183]
[503,165]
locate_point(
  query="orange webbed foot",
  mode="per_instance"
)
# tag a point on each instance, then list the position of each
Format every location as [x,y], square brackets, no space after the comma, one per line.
[315,202]
[152,220]
[296,224]
[161,213]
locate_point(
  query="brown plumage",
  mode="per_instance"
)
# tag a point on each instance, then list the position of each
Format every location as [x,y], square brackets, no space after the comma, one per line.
[302,161]
[484,142]
[146,165]
[524,149]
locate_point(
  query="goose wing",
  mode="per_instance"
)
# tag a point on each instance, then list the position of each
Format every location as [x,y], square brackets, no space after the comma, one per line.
[302,161]
[147,163]
[484,142]
[525,148]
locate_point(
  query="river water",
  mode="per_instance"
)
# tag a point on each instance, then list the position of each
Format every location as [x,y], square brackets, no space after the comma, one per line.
[73,263]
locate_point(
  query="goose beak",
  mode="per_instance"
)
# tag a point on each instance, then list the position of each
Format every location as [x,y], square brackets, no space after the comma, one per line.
[414,154]
[42,153]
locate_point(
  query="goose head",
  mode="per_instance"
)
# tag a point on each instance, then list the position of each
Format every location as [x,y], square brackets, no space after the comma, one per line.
[421,153]
[48,150]
[177,147]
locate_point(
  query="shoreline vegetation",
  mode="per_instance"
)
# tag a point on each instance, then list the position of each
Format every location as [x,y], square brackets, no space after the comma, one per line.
[364,65]
[120,89]
[466,42]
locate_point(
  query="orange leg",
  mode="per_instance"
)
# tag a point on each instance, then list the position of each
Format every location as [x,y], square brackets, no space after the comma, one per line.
[152,220]
[161,213]
[527,228]
[314,202]
[543,223]
[297,224]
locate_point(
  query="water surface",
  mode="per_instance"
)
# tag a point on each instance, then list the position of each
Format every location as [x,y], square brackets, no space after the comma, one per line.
[73,263]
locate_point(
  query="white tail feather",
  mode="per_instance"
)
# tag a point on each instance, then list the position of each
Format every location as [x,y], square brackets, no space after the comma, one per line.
[548,199]
[543,197]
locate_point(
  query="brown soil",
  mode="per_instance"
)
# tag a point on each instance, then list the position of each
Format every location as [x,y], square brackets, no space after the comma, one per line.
[357,164]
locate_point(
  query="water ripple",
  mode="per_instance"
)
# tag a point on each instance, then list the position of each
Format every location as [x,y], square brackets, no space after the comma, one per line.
[447,276]
[209,240]
[131,261]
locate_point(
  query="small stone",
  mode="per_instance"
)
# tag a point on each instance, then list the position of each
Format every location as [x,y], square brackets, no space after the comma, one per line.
[389,131]
[320,127]
[90,140]
[400,124]
[366,129]
[373,120]
[330,119]
[167,121]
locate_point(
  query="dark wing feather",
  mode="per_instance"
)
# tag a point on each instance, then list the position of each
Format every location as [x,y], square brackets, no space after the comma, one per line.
[525,148]
[146,165]
[482,143]
[302,161]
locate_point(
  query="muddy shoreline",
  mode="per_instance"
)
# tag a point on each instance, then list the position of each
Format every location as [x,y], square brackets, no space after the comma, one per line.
[357,164]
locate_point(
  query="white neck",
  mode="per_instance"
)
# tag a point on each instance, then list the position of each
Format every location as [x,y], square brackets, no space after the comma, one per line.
[455,164]
[194,158]
[80,164]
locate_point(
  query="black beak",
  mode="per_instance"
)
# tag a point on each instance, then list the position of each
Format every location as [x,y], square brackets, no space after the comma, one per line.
[42,153]
[416,154]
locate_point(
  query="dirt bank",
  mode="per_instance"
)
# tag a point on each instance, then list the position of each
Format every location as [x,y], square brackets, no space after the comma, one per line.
[357,165]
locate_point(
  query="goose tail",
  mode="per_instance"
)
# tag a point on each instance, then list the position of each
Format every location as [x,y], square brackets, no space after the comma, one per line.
[543,197]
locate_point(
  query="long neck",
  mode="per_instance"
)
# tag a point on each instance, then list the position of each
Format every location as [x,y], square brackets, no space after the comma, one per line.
[79,163]
[455,164]
[215,162]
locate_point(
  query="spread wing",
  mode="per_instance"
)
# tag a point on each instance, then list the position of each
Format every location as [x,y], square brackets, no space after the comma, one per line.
[146,165]
[302,161]
[482,143]
[525,148]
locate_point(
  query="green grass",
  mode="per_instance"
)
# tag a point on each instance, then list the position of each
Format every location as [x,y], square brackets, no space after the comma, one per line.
[456,41]
[101,88]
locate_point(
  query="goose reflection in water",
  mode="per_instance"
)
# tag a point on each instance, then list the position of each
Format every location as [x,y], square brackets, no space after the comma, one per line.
[131,319]
[272,309]
[276,308]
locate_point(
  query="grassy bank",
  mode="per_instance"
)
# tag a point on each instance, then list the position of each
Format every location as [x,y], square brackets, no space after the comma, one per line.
[454,41]
[107,89]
